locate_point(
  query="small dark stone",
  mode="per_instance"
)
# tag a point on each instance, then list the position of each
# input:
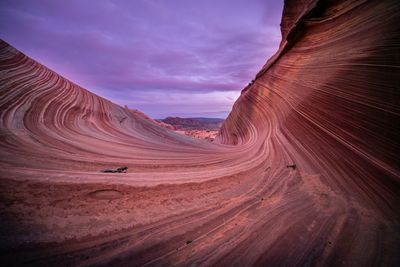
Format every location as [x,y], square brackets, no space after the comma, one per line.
[293,166]
[119,170]
[188,242]
[122,169]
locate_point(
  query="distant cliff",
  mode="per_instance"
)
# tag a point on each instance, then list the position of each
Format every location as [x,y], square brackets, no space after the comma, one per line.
[212,124]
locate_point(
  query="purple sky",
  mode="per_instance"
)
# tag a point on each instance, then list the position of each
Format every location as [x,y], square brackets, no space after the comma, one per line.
[165,58]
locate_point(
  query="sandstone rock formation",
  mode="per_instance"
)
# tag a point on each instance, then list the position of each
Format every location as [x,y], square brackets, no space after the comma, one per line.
[327,103]
[203,128]
[212,124]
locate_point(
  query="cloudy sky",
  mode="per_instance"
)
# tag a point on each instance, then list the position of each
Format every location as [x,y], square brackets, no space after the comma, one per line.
[184,58]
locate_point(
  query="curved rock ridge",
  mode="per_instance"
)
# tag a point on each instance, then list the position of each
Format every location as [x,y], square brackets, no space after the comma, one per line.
[305,171]
[331,99]
[44,114]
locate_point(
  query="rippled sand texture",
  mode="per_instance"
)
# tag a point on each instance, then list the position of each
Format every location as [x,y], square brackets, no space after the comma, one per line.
[328,102]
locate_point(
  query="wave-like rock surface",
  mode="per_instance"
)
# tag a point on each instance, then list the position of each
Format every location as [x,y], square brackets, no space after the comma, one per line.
[306,171]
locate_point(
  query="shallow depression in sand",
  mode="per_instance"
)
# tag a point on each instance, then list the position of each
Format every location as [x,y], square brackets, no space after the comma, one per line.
[106,194]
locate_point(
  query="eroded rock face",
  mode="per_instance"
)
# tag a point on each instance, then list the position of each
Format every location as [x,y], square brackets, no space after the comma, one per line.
[305,172]
[331,99]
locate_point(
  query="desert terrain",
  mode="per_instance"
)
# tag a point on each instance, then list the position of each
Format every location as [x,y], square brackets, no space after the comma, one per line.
[305,171]
[202,128]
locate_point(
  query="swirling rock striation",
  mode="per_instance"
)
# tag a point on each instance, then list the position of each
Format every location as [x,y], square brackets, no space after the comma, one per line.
[327,104]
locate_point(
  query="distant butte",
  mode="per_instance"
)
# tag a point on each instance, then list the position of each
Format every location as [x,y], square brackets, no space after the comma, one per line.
[327,103]
[202,128]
